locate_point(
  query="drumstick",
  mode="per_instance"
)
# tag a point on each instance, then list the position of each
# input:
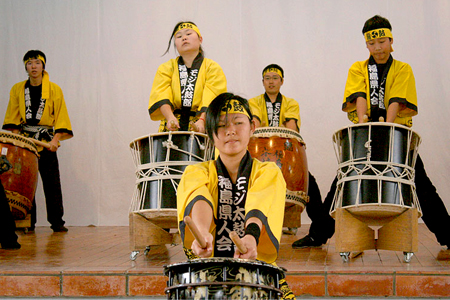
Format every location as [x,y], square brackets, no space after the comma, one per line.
[195,232]
[42,144]
[238,242]
[365,119]
[194,127]
[381,119]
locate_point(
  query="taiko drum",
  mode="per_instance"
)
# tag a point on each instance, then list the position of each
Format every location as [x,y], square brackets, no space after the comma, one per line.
[286,148]
[20,181]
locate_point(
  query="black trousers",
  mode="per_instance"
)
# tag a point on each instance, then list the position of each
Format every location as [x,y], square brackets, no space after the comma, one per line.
[7,225]
[435,215]
[49,170]
[322,224]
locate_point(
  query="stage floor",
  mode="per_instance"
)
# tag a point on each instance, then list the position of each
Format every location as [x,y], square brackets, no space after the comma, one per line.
[95,262]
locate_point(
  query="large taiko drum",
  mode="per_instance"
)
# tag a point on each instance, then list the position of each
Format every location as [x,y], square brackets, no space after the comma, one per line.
[286,148]
[376,169]
[160,160]
[223,278]
[20,181]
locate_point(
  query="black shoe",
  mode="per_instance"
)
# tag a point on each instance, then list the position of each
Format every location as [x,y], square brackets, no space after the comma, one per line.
[305,242]
[11,246]
[60,228]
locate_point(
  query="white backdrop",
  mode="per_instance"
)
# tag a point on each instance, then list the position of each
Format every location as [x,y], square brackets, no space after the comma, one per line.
[104,54]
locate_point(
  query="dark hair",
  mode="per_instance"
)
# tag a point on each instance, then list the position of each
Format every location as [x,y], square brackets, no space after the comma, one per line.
[215,108]
[376,22]
[173,32]
[274,66]
[34,54]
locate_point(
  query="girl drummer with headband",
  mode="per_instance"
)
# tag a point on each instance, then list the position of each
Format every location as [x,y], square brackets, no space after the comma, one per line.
[184,87]
[233,193]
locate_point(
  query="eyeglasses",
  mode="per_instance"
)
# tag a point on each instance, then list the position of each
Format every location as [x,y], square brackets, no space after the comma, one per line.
[274,77]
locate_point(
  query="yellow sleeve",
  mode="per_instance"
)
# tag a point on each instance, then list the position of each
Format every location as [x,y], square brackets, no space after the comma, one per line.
[266,201]
[255,107]
[291,110]
[198,182]
[403,90]
[61,115]
[162,92]
[356,86]
[216,83]
[13,118]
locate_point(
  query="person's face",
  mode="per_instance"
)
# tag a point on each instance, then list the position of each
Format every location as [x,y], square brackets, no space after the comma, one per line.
[380,49]
[187,40]
[35,68]
[272,83]
[233,134]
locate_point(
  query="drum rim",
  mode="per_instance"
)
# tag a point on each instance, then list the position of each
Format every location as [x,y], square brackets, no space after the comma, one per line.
[27,143]
[376,124]
[282,130]
[168,133]
[208,260]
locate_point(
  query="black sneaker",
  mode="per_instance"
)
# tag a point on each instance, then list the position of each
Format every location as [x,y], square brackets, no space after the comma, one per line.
[306,242]
[11,246]
[60,228]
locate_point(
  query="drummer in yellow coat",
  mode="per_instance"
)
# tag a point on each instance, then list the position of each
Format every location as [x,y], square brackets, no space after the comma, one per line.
[272,109]
[233,193]
[37,110]
[183,87]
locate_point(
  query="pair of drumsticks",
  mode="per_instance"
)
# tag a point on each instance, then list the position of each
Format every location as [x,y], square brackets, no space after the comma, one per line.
[201,240]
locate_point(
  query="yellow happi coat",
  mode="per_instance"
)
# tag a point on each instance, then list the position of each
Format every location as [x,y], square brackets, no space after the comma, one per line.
[210,83]
[289,110]
[55,112]
[266,194]
[400,87]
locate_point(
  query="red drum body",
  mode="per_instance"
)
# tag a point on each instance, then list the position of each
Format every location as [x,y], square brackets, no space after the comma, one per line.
[376,169]
[223,278]
[20,181]
[286,148]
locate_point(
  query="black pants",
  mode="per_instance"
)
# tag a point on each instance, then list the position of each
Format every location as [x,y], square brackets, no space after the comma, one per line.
[322,224]
[435,215]
[7,225]
[49,170]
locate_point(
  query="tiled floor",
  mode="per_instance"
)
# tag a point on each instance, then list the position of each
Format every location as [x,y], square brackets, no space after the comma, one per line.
[95,262]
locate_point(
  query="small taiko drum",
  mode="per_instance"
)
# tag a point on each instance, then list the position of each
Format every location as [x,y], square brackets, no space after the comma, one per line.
[20,181]
[376,169]
[286,148]
[160,161]
[223,278]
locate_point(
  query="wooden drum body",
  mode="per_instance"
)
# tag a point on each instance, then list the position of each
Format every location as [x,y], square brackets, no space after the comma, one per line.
[286,148]
[223,278]
[376,169]
[20,181]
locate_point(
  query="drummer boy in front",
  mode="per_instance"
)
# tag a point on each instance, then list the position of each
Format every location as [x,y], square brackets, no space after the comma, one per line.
[382,88]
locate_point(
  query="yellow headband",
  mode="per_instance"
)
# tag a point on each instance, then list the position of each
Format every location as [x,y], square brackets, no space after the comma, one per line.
[275,70]
[233,107]
[377,33]
[187,25]
[38,57]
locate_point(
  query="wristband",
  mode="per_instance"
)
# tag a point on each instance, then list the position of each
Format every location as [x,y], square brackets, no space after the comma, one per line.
[253,230]
[202,120]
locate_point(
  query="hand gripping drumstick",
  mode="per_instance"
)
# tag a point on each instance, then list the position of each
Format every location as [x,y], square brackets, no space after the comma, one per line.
[238,242]
[42,144]
[195,232]
[194,127]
